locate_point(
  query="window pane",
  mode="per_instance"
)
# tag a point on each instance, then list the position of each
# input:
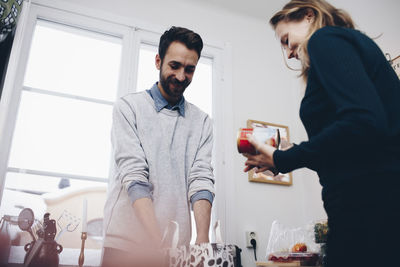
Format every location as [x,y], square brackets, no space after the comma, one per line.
[62,198]
[61,134]
[199,91]
[27,191]
[17,195]
[147,71]
[64,135]
[38,184]
[73,61]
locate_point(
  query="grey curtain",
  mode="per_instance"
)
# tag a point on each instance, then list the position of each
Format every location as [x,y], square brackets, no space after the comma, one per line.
[9,13]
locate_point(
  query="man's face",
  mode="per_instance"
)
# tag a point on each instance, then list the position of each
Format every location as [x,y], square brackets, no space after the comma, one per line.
[176,70]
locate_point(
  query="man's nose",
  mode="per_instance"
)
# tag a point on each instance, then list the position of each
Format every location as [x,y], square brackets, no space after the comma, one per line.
[180,75]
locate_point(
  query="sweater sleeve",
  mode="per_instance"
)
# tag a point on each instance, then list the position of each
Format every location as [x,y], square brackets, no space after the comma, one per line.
[199,195]
[201,176]
[130,160]
[360,117]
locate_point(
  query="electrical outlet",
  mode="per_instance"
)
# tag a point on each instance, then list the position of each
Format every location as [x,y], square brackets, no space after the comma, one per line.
[249,236]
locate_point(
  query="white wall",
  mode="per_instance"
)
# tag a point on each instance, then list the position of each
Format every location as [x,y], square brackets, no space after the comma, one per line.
[263,89]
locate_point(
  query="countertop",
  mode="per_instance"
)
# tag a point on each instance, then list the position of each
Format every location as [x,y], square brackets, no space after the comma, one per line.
[68,257]
[279,264]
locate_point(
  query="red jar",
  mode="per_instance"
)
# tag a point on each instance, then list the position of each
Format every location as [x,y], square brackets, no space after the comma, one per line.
[264,135]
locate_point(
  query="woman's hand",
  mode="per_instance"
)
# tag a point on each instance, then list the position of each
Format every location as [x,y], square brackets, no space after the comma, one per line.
[264,160]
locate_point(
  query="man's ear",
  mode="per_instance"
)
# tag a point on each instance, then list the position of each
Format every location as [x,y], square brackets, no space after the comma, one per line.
[158,62]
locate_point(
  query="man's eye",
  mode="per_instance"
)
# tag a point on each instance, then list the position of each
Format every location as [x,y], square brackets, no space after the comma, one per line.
[189,70]
[174,66]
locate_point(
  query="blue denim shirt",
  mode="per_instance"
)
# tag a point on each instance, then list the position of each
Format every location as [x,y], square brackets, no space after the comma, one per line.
[160,102]
[139,189]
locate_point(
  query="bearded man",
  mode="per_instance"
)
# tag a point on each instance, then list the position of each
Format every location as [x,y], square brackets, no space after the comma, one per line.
[162,153]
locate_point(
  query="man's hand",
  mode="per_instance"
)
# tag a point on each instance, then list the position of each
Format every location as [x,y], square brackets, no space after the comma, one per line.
[202,216]
[145,212]
[202,239]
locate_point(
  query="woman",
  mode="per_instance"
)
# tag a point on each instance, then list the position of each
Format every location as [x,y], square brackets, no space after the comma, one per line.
[351,112]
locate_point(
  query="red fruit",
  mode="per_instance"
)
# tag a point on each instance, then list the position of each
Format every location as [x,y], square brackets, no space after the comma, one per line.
[299,247]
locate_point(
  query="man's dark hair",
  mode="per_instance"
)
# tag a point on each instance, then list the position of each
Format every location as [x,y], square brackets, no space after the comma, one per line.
[185,36]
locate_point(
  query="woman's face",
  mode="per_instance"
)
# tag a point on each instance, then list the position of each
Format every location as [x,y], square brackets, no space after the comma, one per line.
[292,34]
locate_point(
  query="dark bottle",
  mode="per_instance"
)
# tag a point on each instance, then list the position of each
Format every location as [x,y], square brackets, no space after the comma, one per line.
[44,251]
[5,241]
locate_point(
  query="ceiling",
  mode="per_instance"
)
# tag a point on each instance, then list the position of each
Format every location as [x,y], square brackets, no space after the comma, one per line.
[262,9]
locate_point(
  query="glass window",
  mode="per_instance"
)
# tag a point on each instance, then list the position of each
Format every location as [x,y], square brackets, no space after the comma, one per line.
[74,61]
[147,71]
[59,134]
[61,142]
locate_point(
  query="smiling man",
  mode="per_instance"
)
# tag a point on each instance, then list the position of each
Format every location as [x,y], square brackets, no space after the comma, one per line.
[162,153]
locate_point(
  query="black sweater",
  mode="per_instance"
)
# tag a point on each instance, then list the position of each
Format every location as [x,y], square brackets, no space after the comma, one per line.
[350,110]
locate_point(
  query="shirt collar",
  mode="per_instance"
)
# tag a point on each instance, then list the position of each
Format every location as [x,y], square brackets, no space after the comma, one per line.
[160,102]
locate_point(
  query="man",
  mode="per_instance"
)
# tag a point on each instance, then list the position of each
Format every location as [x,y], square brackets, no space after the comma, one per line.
[162,151]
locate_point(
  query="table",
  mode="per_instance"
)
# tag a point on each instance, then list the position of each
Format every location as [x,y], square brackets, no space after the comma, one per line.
[279,264]
[68,257]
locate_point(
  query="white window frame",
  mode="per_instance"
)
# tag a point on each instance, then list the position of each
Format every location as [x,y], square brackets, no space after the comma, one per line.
[132,34]
[13,90]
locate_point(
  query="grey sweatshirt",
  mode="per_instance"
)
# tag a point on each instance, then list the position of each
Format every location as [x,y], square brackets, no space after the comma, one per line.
[170,151]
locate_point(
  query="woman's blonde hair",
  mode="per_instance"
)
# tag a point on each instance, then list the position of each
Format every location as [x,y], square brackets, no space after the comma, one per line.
[324,15]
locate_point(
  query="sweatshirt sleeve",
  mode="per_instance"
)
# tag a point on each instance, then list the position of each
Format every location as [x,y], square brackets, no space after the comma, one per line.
[360,116]
[201,176]
[130,160]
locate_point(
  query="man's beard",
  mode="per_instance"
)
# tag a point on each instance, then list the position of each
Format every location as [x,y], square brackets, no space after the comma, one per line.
[177,88]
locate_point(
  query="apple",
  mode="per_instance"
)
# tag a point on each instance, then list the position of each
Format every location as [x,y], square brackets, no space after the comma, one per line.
[299,247]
